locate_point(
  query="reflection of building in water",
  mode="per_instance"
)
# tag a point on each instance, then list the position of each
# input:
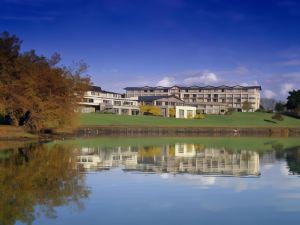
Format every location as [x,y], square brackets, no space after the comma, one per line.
[97,158]
[178,158]
[195,159]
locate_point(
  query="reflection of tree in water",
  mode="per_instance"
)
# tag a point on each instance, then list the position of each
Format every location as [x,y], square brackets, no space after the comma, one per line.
[36,179]
[293,160]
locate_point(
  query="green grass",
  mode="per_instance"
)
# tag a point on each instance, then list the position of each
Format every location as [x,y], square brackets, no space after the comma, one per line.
[257,119]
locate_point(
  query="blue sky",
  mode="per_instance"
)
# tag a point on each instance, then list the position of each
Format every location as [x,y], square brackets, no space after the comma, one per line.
[167,42]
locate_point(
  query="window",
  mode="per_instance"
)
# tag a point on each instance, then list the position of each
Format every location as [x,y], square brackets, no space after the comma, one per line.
[165,90]
[181,113]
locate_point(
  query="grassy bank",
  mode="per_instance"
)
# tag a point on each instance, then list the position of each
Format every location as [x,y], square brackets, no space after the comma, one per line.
[257,119]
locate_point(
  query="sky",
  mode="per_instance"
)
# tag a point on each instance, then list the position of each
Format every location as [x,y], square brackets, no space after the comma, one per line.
[166,42]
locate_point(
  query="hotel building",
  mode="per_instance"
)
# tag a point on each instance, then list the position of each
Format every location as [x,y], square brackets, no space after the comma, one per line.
[208,99]
[98,100]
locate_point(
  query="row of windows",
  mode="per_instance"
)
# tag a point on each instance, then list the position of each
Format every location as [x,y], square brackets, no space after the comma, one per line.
[196,90]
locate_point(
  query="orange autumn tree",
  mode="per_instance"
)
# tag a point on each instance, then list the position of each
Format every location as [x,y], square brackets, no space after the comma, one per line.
[35,91]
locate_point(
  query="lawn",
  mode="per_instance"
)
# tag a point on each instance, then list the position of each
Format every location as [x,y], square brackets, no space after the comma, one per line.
[257,119]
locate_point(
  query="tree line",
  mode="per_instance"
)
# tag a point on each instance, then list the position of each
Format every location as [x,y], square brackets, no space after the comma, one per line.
[35,91]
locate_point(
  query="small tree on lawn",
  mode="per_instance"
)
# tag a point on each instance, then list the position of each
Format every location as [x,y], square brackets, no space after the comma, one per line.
[246,106]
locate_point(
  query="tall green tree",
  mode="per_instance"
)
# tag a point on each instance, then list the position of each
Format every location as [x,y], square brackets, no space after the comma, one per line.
[293,101]
[35,91]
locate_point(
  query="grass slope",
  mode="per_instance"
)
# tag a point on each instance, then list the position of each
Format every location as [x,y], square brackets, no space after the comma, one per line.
[256,119]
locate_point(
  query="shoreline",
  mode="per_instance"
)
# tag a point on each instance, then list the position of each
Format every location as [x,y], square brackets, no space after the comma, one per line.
[152,131]
[186,131]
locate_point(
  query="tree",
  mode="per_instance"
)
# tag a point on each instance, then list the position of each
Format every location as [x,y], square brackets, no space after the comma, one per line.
[246,106]
[293,100]
[279,107]
[36,91]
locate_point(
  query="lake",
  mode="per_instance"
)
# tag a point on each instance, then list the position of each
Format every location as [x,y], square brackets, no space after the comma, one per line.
[151,181]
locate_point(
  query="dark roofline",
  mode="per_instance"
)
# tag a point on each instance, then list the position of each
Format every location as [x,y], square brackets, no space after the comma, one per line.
[193,87]
[99,89]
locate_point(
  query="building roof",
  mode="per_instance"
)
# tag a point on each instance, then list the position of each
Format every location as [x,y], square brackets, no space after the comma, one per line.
[99,89]
[153,98]
[195,87]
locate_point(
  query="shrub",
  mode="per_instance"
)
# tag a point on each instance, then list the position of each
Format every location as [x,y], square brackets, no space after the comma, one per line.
[190,116]
[199,116]
[172,112]
[229,111]
[150,110]
[277,116]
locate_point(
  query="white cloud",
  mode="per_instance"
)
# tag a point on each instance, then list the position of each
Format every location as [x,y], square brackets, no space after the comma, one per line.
[206,78]
[269,94]
[166,82]
[285,88]
[250,83]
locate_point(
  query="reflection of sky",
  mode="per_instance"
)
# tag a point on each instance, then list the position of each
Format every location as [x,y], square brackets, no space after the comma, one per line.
[136,198]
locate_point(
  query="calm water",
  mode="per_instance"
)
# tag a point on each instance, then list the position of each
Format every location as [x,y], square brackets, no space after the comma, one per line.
[152,181]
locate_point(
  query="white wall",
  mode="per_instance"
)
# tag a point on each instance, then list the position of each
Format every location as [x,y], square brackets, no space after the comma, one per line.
[185,111]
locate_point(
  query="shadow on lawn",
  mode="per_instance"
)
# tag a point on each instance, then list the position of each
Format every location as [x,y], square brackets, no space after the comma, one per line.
[270,121]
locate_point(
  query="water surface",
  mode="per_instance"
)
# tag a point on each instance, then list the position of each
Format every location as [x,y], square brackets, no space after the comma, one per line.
[152,181]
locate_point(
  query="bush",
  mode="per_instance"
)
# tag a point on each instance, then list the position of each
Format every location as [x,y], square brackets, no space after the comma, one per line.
[278,117]
[229,111]
[199,116]
[150,110]
[172,112]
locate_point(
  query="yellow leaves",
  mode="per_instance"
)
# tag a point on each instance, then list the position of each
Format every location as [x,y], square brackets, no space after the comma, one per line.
[199,116]
[172,112]
[150,110]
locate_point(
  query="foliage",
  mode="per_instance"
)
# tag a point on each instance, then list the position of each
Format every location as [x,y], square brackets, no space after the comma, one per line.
[190,115]
[36,91]
[247,106]
[199,116]
[297,110]
[36,179]
[261,109]
[293,100]
[279,107]
[277,116]
[150,110]
[229,111]
[172,112]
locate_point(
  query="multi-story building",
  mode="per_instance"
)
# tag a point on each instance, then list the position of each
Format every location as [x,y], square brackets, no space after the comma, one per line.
[98,100]
[208,99]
